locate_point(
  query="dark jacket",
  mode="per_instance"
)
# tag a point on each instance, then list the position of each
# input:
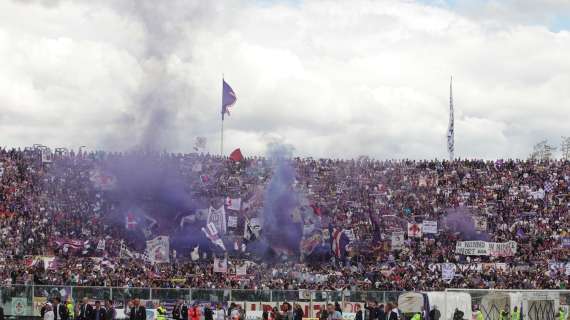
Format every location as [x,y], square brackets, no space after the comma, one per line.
[1,313]
[434,314]
[60,312]
[372,312]
[176,312]
[138,313]
[85,312]
[298,314]
[184,312]
[359,315]
[101,312]
[208,314]
[110,314]
[381,314]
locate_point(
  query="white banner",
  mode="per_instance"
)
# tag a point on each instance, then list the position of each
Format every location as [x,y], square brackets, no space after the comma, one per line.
[429,227]
[220,265]
[307,294]
[232,221]
[414,230]
[233,203]
[218,218]
[101,245]
[397,240]
[19,306]
[559,268]
[447,271]
[158,249]
[241,270]
[482,248]
[254,315]
[480,223]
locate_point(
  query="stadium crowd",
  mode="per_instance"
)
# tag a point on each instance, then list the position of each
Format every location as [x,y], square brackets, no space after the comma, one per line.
[62,195]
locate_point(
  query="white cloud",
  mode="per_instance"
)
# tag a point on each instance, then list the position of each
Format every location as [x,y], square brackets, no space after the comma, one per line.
[332,78]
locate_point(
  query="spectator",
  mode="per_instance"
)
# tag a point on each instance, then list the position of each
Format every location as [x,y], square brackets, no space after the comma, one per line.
[48,313]
[332,313]
[138,312]
[59,310]
[98,312]
[434,314]
[298,313]
[176,310]
[208,313]
[220,313]
[110,312]
[85,310]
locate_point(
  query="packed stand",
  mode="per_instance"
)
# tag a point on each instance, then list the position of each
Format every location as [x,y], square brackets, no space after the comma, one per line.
[45,198]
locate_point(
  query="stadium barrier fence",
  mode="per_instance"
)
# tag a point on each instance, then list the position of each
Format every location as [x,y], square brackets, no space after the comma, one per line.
[26,300]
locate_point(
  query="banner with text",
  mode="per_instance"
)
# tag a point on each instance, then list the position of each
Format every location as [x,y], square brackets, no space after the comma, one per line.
[483,248]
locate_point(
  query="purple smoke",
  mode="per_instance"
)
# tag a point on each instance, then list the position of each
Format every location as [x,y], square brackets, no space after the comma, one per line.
[459,220]
[280,201]
[149,185]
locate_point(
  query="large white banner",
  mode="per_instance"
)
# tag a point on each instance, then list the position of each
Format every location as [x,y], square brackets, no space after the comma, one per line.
[158,249]
[483,248]
[429,227]
[218,218]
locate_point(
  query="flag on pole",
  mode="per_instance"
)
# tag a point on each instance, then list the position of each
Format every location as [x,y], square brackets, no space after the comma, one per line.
[228,98]
[339,242]
[158,249]
[212,234]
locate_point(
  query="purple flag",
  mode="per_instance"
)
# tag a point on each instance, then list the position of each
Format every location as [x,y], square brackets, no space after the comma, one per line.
[228,98]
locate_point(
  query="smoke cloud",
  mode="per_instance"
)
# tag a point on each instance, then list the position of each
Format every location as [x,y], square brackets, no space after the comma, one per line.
[280,201]
[163,92]
[152,186]
[461,221]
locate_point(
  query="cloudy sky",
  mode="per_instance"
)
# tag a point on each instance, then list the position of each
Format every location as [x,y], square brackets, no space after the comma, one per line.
[332,78]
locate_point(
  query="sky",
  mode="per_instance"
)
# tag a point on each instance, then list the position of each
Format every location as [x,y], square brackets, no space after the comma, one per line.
[332,78]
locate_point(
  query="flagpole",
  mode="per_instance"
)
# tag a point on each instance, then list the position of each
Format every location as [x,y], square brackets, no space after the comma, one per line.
[222,130]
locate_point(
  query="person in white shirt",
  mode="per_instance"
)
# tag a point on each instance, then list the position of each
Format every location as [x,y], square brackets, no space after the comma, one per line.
[49,315]
[219,313]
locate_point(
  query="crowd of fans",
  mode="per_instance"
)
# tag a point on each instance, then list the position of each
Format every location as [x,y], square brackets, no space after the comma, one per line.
[46,197]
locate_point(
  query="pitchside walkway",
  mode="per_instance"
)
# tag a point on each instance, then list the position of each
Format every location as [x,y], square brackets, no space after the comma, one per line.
[26,301]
